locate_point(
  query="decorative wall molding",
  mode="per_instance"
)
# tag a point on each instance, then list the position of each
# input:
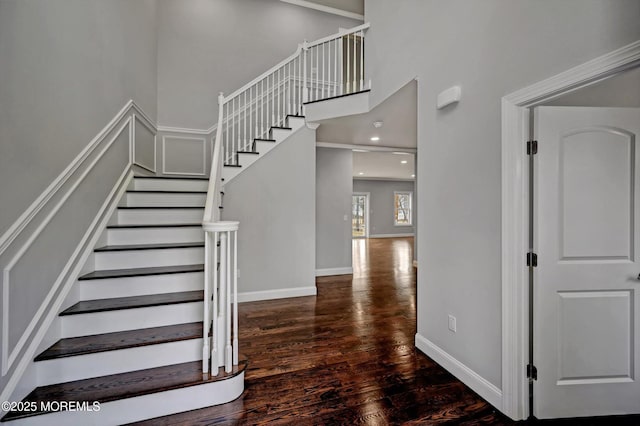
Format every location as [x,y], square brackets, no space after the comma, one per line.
[165,171]
[253,296]
[151,129]
[334,271]
[169,129]
[515,216]
[326,9]
[373,148]
[9,357]
[483,387]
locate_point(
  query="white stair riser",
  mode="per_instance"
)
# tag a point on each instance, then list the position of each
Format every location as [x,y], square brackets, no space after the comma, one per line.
[280,134]
[229,173]
[245,160]
[116,236]
[131,319]
[119,361]
[148,406]
[156,216]
[167,184]
[296,122]
[263,147]
[138,286]
[147,258]
[143,199]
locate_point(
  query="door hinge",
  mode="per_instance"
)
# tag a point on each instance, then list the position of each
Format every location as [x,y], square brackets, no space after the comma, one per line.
[532,147]
[532,372]
[532,259]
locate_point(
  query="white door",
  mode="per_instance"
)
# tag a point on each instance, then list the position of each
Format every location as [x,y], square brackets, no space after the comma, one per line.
[586,285]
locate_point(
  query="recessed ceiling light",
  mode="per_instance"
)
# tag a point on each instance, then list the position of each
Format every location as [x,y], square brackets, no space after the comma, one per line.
[413,175]
[400,153]
[375,138]
[360,150]
[404,162]
[361,173]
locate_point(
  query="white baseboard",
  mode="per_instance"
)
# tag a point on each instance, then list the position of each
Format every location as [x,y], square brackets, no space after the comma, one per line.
[334,271]
[283,293]
[466,375]
[391,235]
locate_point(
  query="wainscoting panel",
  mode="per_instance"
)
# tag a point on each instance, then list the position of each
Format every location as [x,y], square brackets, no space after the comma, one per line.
[184,155]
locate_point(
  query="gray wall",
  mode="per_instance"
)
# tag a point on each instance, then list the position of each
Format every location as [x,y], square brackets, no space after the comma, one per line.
[334,186]
[211,46]
[381,205]
[66,68]
[490,48]
[274,200]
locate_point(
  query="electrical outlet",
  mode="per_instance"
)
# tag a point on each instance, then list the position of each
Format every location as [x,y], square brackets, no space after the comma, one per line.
[452,323]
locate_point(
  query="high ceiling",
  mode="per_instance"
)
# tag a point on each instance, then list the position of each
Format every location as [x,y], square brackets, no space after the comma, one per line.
[355,6]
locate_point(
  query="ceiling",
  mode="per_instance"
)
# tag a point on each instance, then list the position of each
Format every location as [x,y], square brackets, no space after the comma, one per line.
[398,133]
[355,6]
[383,165]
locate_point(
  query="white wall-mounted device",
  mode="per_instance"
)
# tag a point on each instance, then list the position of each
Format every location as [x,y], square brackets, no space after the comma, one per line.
[449,96]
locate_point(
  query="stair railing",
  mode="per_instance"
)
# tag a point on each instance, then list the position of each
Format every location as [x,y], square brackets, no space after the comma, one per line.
[329,67]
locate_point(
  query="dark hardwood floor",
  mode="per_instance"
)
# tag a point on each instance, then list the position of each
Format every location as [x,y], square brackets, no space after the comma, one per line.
[347,356]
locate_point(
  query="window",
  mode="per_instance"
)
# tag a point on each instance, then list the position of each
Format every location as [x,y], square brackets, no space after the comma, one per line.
[402,209]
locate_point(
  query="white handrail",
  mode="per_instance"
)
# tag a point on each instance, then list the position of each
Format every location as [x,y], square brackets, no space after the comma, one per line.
[324,68]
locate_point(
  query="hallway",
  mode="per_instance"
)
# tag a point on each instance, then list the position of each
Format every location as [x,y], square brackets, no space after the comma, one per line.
[346,356]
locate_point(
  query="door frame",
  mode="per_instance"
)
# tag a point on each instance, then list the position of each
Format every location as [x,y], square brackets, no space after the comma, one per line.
[367,196]
[515,211]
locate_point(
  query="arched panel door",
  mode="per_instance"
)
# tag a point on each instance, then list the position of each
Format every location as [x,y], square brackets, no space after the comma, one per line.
[587,282]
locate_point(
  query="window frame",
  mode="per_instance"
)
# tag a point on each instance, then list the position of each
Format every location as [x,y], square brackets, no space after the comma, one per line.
[395,208]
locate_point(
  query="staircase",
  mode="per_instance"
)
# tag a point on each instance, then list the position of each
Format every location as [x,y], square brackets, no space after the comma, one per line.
[133,342]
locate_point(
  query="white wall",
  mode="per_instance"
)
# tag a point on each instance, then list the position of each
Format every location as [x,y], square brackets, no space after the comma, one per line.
[274,200]
[66,68]
[211,46]
[381,205]
[490,48]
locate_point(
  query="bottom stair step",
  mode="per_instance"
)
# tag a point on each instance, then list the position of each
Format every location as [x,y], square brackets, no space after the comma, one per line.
[116,387]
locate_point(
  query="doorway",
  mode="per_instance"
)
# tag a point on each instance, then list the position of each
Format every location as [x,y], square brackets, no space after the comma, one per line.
[360,215]
[581,374]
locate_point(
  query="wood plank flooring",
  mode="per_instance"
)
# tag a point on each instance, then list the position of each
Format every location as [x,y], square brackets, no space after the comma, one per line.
[347,356]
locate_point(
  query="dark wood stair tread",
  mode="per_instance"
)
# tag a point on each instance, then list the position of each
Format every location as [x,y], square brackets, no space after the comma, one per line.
[232,165]
[337,96]
[136,272]
[162,191]
[74,346]
[282,127]
[160,207]
[125,385]
[248,152]
[172,177]
[126,247]
[264,140]
[155,225]
[295,116]
[133,302]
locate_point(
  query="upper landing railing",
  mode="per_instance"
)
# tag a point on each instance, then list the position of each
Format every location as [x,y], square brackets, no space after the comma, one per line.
[329,67]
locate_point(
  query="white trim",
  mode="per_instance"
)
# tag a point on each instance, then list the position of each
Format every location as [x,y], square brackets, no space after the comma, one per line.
[379,148]
[515,220]
[282,293]
[334,271]
[483,387]
[390,179]
[169,129]
[9,357]
[411,234]
[367,221]
[136,119]
[204,156]
[77,261]
[326,9]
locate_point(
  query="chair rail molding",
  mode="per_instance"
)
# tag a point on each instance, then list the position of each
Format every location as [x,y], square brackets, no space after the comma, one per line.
[515,219]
